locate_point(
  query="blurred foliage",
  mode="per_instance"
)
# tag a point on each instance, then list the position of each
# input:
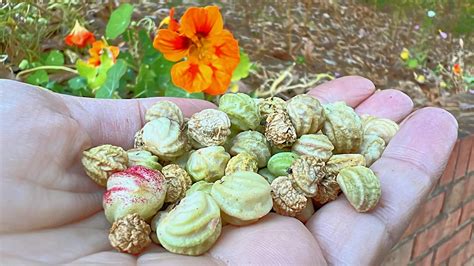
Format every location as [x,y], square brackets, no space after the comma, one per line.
[454,16]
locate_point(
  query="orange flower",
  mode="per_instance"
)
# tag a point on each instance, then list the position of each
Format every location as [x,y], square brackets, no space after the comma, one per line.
[79,36]
[98,49]
[457,69]
[211,53]
[172,23]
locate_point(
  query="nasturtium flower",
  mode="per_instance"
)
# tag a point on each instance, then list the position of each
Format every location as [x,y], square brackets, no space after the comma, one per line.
[170,21]
[405,54]
[210,52]
[457,69]
[98,48]
[79,36]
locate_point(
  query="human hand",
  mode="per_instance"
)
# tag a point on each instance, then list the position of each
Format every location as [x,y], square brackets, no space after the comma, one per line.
[51,211]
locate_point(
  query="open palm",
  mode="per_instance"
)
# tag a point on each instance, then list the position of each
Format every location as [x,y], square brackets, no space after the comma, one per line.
[51,211]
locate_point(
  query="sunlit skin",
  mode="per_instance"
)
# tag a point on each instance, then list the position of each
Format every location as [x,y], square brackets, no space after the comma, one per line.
[52,212]
[79,36]
[200,39]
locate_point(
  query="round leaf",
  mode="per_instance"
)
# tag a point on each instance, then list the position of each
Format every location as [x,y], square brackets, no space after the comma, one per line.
[119,21]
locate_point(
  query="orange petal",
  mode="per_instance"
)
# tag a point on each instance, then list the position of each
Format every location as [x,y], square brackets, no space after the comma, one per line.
[94,61]
[201,22]
[225,49]
[115,52]
[191,76]
[97,46]
[80,40]
[174,25]
[173,46]
[220,80]
[79,36]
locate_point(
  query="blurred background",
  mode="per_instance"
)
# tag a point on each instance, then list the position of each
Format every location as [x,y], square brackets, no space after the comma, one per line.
[424,48]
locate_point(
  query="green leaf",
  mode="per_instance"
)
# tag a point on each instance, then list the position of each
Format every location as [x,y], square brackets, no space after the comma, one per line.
[23,64]
[77,83]
[114,74]
[86,71]
[35,64]
[127,56]
[95,76]
[54,86]
[468,79]
[119,21]
[149,53]
[39,77]
[173,91]
[412,63]
[55,58]
[300,60]
[243,68]
[146,84]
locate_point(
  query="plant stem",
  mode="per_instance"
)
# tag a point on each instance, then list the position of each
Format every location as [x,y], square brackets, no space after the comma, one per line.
[46,68]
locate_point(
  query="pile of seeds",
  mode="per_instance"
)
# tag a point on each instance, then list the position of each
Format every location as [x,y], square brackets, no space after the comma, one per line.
[185,179]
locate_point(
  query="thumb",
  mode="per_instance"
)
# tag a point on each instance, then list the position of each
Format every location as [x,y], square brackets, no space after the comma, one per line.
[116,121]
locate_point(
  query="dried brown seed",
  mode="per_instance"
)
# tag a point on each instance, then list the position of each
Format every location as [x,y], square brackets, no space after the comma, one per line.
[328,189]
[372,148]
[286,199]
[307,212]
[306,114]
[138,140]
[192,227]
[305,173]
[207,163]
[144,158]
[136,190]
[317,145]
[241,109]
[360,186]
[209,127]
[130,234]
[154,224]
[267,175]
[254,143]
[164,138]
[178,181]
[382,127]
[243,196]
[102,161]
[269,105]
[279,130]
[340,161]
[343,127]
[165,109]
[241,162]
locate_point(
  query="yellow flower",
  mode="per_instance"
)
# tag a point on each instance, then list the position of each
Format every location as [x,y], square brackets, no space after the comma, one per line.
[419,78]
[405,54]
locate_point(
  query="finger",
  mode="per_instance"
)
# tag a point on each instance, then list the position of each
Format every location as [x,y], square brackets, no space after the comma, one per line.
[275,240]
[156,255]
[61,207]
[116,121]
[392,104]
[351,89]
[409,167]
[58,245]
